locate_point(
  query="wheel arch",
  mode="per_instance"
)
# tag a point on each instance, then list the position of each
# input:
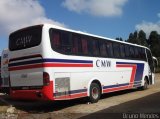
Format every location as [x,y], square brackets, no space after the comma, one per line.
[146,78]
[94,80]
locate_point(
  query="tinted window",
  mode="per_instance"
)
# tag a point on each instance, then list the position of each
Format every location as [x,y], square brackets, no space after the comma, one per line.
[109,49]
[84,46]
[55,40]
[95,47]
[77,46]
[116,50]
[103,50]
[66,42]
[25,38]
[143,54]
[137,56]
[122,51]
[127,53]
[90,46]
[61,41]
[131,50]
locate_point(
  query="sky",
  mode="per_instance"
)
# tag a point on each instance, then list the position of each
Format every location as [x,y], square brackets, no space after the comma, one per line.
[108,18]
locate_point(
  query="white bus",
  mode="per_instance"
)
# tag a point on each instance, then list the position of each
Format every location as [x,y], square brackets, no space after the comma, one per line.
[4,71]
[48,62]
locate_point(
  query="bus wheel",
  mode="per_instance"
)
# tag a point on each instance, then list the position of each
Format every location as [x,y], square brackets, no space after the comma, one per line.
[94,93]
[145,85]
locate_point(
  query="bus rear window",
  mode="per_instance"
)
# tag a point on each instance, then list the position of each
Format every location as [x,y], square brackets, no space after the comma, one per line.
[25,38]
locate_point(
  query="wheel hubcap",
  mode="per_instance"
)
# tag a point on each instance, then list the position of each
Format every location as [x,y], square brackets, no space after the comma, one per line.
[95,93]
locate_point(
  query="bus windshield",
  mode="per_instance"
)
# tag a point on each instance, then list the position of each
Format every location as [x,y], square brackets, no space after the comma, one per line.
[25,38]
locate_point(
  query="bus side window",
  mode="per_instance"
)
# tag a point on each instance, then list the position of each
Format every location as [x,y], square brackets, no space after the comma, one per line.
[143,54]
[109,49]
[55,40]
[77,48]
[66,42]
[84,46]
[103,50]
[116,50]
[132,56]
[122,51]
[136,53]
[90,46]
[140,53]
[95,47]
[127,51]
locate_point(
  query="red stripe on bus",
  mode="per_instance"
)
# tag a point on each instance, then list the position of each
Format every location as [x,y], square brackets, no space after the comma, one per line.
[26,67]
[49,65]
[73,96]
[66,65]
[115,89]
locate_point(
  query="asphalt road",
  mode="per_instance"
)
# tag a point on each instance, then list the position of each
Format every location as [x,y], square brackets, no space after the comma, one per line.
[130,104]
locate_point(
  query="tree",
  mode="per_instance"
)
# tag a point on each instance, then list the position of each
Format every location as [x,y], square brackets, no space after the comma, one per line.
[119,38]
[154,43]
[142,38]
[131,38]
[135,35]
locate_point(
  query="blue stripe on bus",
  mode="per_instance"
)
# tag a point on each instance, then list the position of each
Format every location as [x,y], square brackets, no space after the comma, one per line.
[50,60]
[77,91]
[68,61]
[137,82]
[139,72]
[137,85]
[115,86]
[26,62]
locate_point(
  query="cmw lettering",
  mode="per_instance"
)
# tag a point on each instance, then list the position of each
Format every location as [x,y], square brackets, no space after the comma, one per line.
[103,63]
[23,41]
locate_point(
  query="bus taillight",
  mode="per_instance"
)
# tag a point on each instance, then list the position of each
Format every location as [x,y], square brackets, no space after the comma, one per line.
[46,80]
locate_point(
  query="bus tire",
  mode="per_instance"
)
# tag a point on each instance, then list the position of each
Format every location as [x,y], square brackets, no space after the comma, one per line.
[145,86]
[94,93]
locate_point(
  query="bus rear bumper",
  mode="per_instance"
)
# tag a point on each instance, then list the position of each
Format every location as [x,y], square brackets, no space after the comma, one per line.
[46,93]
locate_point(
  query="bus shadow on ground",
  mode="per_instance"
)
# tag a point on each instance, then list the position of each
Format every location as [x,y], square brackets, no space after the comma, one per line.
[51,106]
[147,107]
